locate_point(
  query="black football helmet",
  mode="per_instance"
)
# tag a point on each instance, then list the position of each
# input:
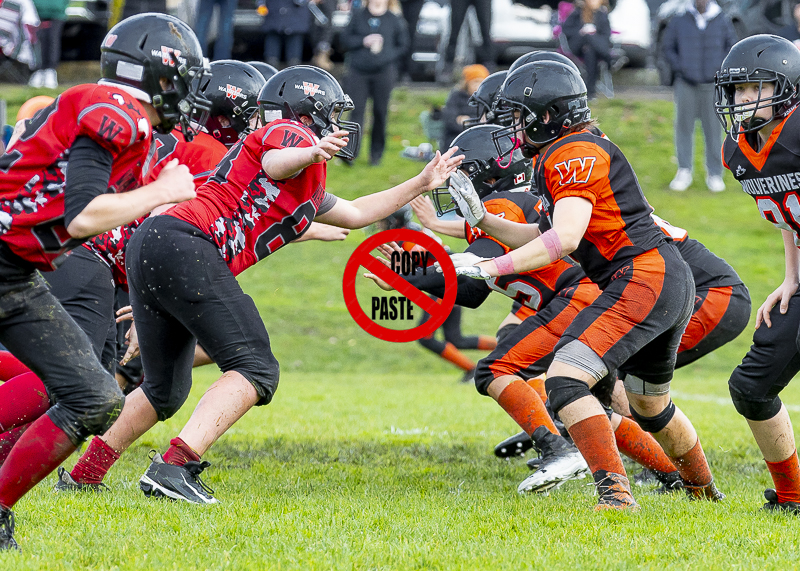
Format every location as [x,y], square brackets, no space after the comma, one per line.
[264,68]
[484,99]
[481,164]
[758,59]
[156,58]
[539,90]
[305,90]
[542,55]
[232,88]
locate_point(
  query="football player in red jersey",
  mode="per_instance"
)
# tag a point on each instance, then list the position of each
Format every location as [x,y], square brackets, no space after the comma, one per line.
[758,91]
[263,195]
[595,210]
[100,135]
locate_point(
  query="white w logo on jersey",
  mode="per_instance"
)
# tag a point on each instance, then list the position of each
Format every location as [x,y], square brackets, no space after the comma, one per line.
[576,170]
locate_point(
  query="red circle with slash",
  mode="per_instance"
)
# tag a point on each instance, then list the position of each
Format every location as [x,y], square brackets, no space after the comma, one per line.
[438,311]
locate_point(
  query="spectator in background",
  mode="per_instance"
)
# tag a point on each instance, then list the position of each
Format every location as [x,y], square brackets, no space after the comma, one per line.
[223,45]
[588,34]
[457,109]
[694,45]
[322,35]
[52,14]
[286,24]
[792,31]
[411,12]
[458,11]
[374,41]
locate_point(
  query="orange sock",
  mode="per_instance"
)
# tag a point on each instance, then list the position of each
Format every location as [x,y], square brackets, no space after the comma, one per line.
[786,475]
[641,447]
[486,342]
[537,384]
[595,439]
[457,357]
[693,466]
[526,408]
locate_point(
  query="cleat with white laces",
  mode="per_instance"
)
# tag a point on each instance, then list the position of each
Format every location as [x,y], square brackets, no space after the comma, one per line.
[183,483]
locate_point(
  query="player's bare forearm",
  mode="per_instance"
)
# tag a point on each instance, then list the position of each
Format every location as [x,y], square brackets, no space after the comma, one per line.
[452,228]
[107,211]
[369,209]
[512,234]
[792,257]
[280,164]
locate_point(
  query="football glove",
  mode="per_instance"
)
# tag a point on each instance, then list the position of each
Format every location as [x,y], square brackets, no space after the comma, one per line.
[465,266]
[465,197]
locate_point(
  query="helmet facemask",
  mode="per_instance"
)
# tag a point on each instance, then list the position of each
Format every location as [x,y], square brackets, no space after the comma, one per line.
[739,118]
[336,123]
[180,98]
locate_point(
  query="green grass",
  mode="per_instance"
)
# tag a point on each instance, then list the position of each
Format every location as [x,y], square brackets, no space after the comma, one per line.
[372,456]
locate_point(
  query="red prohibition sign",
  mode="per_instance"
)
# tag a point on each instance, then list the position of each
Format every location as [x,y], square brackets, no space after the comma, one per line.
[438,311]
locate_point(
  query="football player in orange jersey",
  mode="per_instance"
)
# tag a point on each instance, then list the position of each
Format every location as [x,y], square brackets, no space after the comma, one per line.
[595,211]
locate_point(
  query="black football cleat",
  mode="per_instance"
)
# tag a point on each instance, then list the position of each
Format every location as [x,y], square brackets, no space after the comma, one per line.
[773,505]
[561,461]
[614,492]
[670,482]
[7,542]
[646,477]
[516,445]
[66,483]
[183,483]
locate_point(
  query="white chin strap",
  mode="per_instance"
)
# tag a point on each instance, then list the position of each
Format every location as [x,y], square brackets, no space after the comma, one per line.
[132,91]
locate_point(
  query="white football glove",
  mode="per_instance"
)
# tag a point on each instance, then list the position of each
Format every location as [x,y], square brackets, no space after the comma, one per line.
[464,195]
[465,266]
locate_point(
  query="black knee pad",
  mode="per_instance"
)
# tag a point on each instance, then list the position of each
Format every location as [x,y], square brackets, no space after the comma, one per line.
[483,377]
[608,410]
[506,330]
[562,391]
[752,408]
[655,423]
[604,388]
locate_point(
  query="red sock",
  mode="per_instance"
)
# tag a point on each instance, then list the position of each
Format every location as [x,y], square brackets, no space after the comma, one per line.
[95,463]
[595,440]
[457,357]
[23,399]
[523,404]
[537,384]
[786,475]
[42,448]
[10,366]
[486,342]
[641,447]
[180,453]
[8,439]
[693,466]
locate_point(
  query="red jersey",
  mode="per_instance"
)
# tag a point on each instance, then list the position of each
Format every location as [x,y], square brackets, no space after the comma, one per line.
[593,168]
[536,288]
[201,155]
[34,170]
[247,214]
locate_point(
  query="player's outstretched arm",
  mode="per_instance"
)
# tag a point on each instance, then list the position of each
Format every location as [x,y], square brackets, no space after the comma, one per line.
[107,211]
[570,220]
[324,233]
[280,164]
[789,286]
[423,208]
[368,209]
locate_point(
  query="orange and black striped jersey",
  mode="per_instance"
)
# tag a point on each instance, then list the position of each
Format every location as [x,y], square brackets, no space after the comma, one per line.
[708,270]
[770,175]
[591,167]
[536,288]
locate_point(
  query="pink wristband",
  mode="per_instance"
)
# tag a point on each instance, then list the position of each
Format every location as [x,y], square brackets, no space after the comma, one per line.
[553,244]
[504,265]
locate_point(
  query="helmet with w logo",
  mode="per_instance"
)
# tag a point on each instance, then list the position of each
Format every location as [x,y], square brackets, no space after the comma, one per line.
[308,91]
[482,165]
[232,88]
[156,58]
[548,98]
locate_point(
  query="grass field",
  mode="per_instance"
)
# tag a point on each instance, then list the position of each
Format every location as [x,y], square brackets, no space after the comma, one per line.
[372,456]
